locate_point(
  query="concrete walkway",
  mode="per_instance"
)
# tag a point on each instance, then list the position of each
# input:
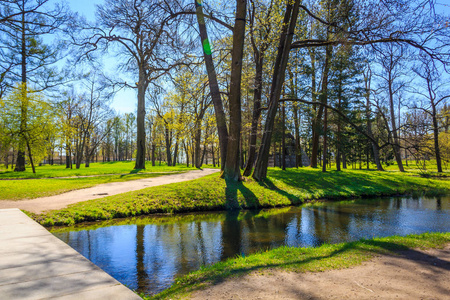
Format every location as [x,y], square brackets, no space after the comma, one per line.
[34,264]
[40,205]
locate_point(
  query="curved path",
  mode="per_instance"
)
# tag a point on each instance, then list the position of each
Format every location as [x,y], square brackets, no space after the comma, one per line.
[40,205]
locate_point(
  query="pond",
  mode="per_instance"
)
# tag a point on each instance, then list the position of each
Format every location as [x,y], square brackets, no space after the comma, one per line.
[148,253]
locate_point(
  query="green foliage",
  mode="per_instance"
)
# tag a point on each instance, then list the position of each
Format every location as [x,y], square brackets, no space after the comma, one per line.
[282,188]
[325,257]
[34,126]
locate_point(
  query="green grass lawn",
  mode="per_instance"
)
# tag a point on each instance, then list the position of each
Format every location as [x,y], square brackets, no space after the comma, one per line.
[325,257]
[281,188]
[412,167]
[35,188]
[120,167]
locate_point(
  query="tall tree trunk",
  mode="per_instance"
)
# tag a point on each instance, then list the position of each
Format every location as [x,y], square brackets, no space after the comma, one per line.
[324,100]
[283,136]
[213,156]
[140,122]
[375,147]
[30,156]
[325,140]
[274,154]
[367,156]
[203,156]
[231,169]
[256,114]
[88,155]
[298,151]
[168,144]
[20,163]
[317,114]
[338,144]
[344,161]
[197,145]
[213,84]
[436,140]
[153,155]
[175,153]
[241,154]
[289,22]
[396,144]
[338,133]
[186,150]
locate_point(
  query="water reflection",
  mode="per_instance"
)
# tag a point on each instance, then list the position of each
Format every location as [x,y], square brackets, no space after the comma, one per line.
[147,253]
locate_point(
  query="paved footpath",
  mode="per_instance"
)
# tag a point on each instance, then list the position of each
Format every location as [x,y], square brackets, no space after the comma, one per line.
[34,264]
[40,205]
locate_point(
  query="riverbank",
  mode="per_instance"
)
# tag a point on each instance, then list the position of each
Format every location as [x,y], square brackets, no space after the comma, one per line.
[282,188]
[389,268]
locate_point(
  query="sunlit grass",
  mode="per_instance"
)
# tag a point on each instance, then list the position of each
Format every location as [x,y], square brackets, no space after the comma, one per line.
[410,166]
[121,167]
[35,188]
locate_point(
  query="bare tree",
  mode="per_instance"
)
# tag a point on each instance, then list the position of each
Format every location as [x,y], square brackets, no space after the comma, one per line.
[146,32]
[435,93]
[91,111]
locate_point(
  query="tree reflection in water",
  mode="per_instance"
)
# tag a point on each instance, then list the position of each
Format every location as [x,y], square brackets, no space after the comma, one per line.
[147,253]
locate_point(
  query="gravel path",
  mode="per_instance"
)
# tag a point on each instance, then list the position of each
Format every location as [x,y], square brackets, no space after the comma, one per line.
[413,274]
[40,205]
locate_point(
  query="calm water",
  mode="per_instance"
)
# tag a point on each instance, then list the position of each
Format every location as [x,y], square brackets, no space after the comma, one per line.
[148,253]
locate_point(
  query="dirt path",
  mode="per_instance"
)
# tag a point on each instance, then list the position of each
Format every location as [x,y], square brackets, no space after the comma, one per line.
[90,176]
[414,274]
[40,205]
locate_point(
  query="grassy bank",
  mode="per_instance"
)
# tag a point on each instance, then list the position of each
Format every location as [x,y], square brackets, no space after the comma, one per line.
[322,258]
[106,168]
[281,188]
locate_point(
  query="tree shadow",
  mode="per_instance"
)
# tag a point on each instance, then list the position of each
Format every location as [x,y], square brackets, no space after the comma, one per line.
[269,184]
[233,200]
[135,171]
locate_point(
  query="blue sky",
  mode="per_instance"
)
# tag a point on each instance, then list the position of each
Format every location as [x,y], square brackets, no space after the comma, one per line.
[84,7]
[124,101]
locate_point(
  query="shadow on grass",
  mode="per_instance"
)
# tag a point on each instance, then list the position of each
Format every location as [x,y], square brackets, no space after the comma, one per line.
[366,249]
[336,184]
[268,184]
[232,197]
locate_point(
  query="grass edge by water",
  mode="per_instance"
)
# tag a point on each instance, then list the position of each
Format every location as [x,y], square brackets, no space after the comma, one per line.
[323,258]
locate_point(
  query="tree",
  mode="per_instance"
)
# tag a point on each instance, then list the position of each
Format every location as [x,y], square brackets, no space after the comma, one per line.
[434,95]
[130,122]
[146,33]
[287,32]
[221,121]
[390,59]
[39,123]
[410,23]
[232,169]
[24,57]
[260,30]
